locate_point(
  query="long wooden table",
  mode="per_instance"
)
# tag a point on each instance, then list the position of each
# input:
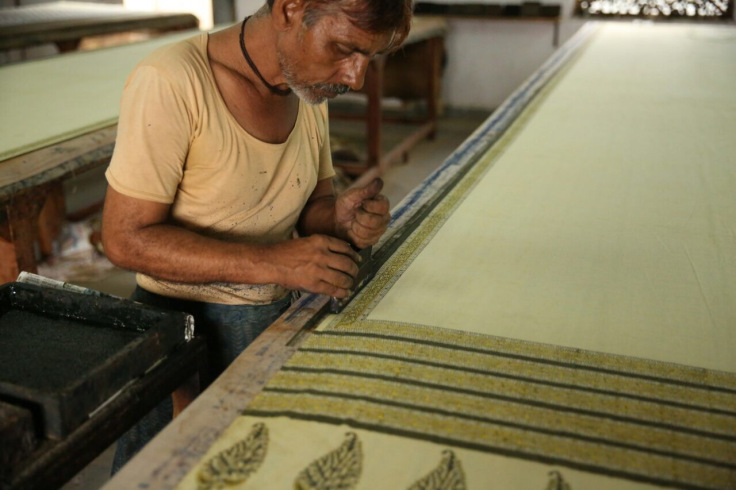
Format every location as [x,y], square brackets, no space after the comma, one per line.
[553,307]
[67,23]
[58,119]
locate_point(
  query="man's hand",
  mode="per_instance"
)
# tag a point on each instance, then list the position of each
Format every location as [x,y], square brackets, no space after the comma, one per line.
[318,264]
[362,214]
[138,236]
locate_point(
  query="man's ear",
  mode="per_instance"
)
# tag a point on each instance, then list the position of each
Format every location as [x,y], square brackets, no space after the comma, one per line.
[286,14]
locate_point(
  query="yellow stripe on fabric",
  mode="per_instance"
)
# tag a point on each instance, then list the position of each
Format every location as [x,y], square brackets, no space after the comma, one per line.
[644,367]
[531,369]
[497,438]
[522,390]
[531,416]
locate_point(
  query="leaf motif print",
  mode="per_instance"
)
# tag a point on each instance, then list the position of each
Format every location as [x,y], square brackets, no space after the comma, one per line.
[557,482]
[337,470]
[448,475]
[237,463]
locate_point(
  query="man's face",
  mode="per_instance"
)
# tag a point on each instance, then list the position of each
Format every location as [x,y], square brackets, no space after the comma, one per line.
[328,58]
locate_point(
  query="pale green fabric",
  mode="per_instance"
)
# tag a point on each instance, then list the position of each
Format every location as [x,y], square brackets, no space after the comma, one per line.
[51,100]
[608,222]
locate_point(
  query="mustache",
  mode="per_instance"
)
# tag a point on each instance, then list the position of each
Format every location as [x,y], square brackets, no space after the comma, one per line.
[336,89]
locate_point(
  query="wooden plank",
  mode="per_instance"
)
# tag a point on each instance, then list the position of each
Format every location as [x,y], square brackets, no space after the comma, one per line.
[166,459]
[51,219]
[56,161]
[8,264]
[434,72]
[401,150]
[25,183]
[19,226]
[374,89]
[69,22]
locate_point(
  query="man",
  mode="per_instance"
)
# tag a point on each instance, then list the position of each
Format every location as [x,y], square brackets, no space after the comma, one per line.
[223,154]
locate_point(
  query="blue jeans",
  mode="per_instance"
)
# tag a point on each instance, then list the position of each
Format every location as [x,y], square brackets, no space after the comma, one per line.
[228,330]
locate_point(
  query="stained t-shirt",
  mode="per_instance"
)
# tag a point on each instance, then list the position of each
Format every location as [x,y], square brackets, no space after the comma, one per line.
[179,144]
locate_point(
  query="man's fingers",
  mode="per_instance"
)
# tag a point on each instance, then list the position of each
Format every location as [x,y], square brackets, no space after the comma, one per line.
[342,247]
[377,205]
[363,236]
[335,292]
[370,220]
[344,266]
[337,278]
[369,191]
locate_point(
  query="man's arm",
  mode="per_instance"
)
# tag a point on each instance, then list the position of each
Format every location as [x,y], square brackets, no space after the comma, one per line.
[359,215]
[138,235]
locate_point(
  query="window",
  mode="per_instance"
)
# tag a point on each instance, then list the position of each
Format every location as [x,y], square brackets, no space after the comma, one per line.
[653,9]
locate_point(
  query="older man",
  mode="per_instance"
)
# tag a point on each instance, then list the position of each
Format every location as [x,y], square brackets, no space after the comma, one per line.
[223,157]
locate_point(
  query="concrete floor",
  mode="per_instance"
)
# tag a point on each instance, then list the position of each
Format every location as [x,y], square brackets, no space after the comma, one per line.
[400,179]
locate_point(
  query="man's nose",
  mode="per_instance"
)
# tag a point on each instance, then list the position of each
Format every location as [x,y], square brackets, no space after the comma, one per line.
[354,73]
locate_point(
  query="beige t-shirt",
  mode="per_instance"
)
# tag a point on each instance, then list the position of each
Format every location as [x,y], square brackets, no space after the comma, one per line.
[178,144]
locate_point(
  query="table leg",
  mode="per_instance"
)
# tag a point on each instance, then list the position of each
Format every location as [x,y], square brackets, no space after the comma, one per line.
[19,232]
[68,45]
[434,61]
[374,88]
[51,220]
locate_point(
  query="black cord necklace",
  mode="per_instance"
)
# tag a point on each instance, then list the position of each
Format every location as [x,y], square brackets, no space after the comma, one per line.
[274,90]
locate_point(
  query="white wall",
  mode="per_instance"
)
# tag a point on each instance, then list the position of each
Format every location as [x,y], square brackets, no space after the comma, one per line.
[486,59]
[202,9]
[247,7]
[489,59]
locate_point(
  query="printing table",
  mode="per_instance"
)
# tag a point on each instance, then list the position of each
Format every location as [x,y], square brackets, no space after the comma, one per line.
[553,308]
[57,119]
[67,23]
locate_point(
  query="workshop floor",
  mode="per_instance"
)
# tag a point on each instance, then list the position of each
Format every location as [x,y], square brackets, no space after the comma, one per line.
[96,273]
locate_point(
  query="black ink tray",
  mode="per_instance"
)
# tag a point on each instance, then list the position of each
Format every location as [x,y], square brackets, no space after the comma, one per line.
[62,354]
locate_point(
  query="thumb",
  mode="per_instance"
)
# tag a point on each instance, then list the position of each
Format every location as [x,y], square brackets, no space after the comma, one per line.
[369,191]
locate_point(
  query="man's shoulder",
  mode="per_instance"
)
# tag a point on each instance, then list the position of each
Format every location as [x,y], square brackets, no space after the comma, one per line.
[179,58]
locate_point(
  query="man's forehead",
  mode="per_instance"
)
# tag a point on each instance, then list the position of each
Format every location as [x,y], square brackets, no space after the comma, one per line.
[340,28]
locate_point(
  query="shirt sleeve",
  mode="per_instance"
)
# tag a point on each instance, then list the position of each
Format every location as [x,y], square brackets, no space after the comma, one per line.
[154,134]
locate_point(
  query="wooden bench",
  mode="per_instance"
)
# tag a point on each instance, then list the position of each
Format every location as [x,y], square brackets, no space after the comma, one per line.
[67,23]
[58,120]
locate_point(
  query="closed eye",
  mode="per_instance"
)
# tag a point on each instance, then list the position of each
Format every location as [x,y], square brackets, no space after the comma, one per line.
[343,49]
